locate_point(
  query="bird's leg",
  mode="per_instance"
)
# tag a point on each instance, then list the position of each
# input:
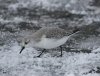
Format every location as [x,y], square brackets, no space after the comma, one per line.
[41,52]
[61,51]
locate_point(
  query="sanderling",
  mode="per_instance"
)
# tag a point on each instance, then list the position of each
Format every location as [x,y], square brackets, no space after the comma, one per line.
[47,38]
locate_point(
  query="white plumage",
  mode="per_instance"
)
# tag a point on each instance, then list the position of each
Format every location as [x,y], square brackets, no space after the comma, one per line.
[47,38]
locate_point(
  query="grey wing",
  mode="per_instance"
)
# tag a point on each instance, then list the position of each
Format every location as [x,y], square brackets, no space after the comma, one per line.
[50,32]
[56,33]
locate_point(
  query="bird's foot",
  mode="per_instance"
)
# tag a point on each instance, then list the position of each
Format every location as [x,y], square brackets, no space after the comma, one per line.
[60,55]
[40,53]
[37,56]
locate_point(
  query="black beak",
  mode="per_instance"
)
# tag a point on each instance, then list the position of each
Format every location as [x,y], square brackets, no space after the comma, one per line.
[22,49]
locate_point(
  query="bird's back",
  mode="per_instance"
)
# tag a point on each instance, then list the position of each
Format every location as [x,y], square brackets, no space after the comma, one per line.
[50,32]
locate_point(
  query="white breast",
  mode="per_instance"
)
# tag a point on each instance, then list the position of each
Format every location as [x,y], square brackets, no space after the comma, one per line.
[48,43]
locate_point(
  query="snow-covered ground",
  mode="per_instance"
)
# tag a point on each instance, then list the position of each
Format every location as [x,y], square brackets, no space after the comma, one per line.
[19,18]
[71,64]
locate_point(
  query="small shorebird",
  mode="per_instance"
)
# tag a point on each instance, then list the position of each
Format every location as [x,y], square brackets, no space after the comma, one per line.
[47,38]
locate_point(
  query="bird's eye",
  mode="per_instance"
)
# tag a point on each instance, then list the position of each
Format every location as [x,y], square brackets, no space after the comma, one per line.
[26,42]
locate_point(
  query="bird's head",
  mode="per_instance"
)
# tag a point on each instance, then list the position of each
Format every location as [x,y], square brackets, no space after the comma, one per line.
[24,42]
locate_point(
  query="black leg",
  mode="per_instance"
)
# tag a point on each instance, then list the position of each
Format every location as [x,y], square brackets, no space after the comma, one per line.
[61,51]
[41,52]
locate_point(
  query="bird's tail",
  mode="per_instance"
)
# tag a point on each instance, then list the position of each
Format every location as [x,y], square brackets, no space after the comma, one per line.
[73,34]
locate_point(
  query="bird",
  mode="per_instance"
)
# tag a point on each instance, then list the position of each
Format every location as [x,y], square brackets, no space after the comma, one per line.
[47,38]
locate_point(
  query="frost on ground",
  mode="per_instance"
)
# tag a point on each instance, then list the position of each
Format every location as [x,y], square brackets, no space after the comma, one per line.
[71,64]
[19,18]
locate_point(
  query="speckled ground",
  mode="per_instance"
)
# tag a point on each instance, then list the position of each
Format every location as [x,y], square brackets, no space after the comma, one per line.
[81,54]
